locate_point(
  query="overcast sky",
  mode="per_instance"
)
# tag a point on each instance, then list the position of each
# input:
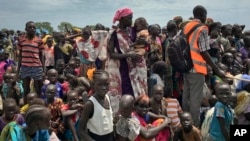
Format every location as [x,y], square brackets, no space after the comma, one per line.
[15,13]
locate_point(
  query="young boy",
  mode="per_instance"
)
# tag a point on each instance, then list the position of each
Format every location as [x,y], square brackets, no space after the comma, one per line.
[187,131]
[55,104]
[127,127]
[52,75]
[222,116]
[10,113]
[30,98]
[71,113]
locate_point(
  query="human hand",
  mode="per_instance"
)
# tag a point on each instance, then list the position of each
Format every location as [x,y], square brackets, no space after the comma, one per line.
[221,73]
[134,56]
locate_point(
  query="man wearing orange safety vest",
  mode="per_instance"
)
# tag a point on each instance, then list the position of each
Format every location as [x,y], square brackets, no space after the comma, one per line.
[195,79]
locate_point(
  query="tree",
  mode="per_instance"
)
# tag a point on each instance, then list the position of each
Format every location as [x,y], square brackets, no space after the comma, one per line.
[44,25]
[65,27]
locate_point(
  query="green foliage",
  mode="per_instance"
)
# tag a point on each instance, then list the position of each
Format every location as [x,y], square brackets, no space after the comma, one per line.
[44,25]
[65,27]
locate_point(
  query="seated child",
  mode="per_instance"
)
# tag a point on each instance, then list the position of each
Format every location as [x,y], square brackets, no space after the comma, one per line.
[70,112]
[12,88]
[187,131]
[148,131]
[30,98]
[35,128]
[52,75]
[127,127]
[55,105]
[10,113]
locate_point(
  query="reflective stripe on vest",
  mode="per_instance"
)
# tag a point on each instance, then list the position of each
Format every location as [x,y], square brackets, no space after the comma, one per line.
[198,61]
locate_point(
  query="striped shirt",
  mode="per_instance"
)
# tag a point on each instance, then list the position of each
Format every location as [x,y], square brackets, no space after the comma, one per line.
[173,108]
[30,51]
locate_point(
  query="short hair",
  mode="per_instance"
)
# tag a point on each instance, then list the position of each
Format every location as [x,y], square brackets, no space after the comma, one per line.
[198,10]
[35,112]
[141,99]
[97,73]
[8,101]
[29,22]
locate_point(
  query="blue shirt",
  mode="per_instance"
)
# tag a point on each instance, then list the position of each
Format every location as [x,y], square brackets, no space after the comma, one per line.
[222,111]
[59,90]
[41,135]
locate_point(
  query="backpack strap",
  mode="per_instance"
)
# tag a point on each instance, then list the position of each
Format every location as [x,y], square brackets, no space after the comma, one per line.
[192,30]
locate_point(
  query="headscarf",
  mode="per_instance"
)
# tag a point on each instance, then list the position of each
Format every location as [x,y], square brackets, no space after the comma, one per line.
[122,12]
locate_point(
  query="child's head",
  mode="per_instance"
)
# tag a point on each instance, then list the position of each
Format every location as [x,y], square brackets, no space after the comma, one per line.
[72,63]
[70,75]
[31,96]
[61,78]
[158,92]
[126,105]
[37,101]
[228,58]
[82,94]
[12,78]
[37,117]
[154,29]
[223,92]
[214,34]
[50,91]
[6,76]
[186,121]
[140,24]
[142,105]
[101,82]
[60,65]
[84,82]
[9,108]
[77,59]
[52,75]
[72,97]
[86,33]
[160,68]
[49,42]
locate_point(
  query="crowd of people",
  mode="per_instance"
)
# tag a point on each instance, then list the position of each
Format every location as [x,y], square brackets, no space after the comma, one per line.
[118,84]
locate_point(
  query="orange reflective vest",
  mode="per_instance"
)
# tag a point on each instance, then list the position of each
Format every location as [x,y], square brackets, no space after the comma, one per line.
[198,61]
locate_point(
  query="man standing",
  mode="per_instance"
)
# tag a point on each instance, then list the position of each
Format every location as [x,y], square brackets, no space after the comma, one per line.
[195,79]
[31,62]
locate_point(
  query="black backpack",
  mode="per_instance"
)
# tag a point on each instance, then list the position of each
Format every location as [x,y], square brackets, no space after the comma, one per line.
[179,52]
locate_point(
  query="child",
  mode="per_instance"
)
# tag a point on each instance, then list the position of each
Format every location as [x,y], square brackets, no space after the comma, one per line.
[10,113]
[55,105]
[148,131]
[35,128]
[65,85]
[222,116]
[70,112]
[127,127]
[158,106]
[173,109]
[49,54]
[60,66]
[30,98]
[12,88]
[96,122]
[187,131]
[52,75]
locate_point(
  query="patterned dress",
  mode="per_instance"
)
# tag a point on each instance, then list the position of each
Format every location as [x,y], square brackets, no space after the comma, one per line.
[125,78]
